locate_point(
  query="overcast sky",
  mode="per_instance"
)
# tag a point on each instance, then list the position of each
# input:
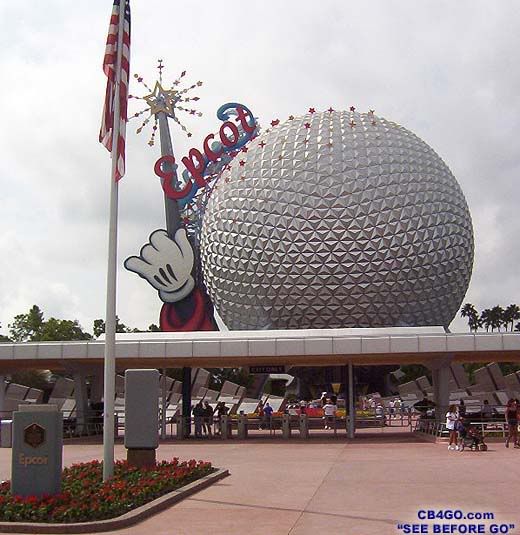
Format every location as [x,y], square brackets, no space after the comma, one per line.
[448,71]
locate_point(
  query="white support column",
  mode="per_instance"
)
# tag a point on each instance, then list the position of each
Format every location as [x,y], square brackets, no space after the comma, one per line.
[164,405]
[2,396]
[351,404]
[81,398]
[96,388]
[441,375]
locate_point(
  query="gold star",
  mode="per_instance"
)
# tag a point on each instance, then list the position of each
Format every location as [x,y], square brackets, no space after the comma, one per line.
[161,100]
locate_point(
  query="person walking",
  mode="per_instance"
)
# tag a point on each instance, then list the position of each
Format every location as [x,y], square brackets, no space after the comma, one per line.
[329,411]
[451,418]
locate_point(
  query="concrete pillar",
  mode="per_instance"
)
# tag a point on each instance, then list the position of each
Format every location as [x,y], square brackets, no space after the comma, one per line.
[186,398]
[242,426]
[181,434]
[81,399]
[163,405]
[2,396]
[224,427]
[96,387]
[441,374]
[351,404]
[304,426]
[286,426]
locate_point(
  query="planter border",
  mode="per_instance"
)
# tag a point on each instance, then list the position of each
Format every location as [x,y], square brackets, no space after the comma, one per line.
[132,517]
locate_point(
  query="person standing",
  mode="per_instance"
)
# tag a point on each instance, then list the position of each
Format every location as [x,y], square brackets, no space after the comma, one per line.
[268,412]
[198,416]
[487,411]
[220,410]
[208,418]
[511,415]
[451,419]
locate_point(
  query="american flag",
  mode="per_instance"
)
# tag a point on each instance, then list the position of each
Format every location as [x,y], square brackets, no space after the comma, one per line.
[109,68]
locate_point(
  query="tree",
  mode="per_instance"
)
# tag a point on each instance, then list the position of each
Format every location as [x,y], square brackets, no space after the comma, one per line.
[26,327]
[486,318]
[235,375]
[32,327]
[99,327]
[469,311]
[511,314]
[55,329]
[497,317]
[3,338]
[413,371]
[33,378]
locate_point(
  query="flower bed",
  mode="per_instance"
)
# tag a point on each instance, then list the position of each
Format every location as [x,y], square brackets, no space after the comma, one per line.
[85,497]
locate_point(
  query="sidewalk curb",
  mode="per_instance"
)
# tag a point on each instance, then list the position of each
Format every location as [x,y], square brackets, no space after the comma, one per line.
[128,519]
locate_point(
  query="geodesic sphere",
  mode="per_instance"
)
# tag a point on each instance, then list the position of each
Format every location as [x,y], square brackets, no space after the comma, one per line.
[337,219]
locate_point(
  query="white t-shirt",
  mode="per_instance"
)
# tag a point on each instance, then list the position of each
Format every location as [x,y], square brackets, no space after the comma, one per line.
[451,418]
[329,409]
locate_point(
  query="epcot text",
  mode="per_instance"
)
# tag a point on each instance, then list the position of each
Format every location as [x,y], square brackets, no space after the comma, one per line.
[196,163]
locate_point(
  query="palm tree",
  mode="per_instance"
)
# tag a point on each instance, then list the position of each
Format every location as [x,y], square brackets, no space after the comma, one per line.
[469,311]
[511,314]
[497,317]
[486,318]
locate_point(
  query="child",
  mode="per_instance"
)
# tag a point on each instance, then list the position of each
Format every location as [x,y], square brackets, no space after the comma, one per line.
[462,432]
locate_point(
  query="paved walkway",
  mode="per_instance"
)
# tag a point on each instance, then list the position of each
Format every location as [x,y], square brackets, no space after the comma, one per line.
[328,486]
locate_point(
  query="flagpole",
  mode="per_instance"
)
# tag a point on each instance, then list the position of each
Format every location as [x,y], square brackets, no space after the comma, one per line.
[110,323]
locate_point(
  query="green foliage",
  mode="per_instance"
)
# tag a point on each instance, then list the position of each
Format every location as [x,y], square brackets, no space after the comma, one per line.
[235,375]
[509,367]
[505,367]
[33,378]
[55,329]
[470,368]
[511,314]
[26,327]
[492,318]
[32,327]
[99,327]
[470,312]
[413,371]
[3,338]
[276,388]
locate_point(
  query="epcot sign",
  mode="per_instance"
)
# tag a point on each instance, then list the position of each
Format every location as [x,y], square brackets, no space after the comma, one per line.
[232,138]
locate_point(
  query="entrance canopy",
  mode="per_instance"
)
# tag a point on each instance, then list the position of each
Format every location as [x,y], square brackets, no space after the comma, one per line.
[312,347]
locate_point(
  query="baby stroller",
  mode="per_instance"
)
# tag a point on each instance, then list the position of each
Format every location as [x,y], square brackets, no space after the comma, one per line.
[472,439]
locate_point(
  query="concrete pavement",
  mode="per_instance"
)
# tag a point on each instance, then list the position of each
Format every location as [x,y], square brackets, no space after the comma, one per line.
[325,485]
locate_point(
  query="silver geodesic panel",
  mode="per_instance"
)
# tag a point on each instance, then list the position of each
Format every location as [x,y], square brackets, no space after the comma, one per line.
[337,219]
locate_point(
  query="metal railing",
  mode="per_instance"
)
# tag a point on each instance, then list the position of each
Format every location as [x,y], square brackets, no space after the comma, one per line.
[489,428]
